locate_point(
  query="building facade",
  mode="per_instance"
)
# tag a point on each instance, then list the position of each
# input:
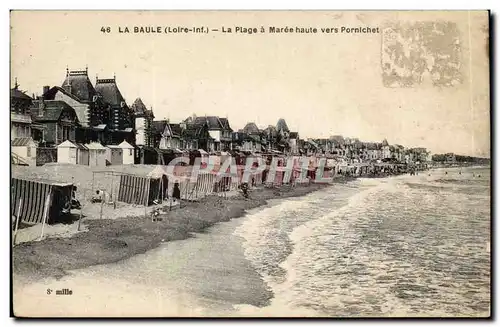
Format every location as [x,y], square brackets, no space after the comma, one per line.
[59,121]
[121,118]
[20,116]
[144,129]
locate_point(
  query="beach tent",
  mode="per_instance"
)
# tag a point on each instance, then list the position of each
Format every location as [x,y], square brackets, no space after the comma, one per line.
[136,189]
[97,154]
[128,153]
[66,152]
[159,173]
[144,190]
[34,194]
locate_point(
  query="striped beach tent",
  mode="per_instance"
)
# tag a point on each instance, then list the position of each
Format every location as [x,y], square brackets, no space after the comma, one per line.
[136,189]
[34,194]
[205,183]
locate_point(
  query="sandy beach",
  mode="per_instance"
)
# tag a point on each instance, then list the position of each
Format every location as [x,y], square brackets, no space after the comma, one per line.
[104,241]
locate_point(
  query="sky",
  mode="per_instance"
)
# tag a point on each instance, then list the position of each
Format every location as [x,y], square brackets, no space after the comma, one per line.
[321,84]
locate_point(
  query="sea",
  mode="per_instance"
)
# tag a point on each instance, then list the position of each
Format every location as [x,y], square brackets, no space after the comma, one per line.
[401,246]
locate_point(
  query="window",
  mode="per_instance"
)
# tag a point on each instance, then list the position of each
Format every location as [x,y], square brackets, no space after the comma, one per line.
[28,151]
[130,152]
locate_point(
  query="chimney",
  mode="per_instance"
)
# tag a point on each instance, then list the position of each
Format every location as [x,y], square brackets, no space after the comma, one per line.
[41,107]
[45,90]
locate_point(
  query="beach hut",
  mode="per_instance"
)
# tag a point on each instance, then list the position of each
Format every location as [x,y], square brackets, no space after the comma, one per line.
[25,149]
[82,154]
[114,154]
[66,152]
[34,194]
[97,154]
[128,153]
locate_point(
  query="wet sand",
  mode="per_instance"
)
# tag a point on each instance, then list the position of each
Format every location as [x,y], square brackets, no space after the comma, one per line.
[203,275]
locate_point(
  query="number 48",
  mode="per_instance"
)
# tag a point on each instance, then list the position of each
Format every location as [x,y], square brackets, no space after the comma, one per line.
[106,29]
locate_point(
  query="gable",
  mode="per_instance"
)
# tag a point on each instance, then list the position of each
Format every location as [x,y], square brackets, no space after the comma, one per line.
[167,131]
[68,114]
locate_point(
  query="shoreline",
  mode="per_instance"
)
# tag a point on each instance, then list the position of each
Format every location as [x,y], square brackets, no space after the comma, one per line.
[109,240]
[112,240]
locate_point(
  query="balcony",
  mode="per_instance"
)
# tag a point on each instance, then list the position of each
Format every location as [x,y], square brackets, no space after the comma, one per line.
[20,118]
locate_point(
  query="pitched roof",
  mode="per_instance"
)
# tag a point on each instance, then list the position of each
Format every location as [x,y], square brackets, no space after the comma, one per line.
[225,123]
[213,122]
[81,146]
[22,141]
[17,94]
[78,84]
[176,129]
[281,125]
[125,145]
[310,141]
[251,128]
[159,126]
[139,108]
[67,144]
[95,146]
[109,91]
[51,93]
[270,130]
[193,130]
[52,111]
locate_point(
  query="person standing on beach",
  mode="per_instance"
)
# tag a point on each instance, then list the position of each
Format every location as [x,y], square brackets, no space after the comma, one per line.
[176,194]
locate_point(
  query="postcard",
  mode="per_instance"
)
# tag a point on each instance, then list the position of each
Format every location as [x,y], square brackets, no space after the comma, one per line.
[250,164]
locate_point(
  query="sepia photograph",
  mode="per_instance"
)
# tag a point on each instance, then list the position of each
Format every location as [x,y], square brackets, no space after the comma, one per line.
[258,164]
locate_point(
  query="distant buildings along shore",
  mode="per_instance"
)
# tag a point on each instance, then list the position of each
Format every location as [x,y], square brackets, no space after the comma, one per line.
[83,113]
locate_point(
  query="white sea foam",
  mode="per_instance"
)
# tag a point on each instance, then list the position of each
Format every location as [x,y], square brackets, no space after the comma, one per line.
[401,246]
